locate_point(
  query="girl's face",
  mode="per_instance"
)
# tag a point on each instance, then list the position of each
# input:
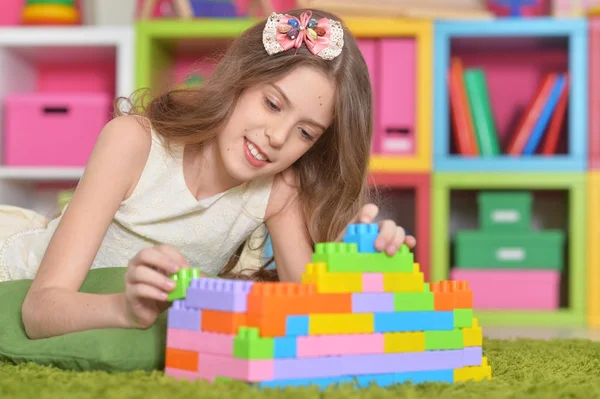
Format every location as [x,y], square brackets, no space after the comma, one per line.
[273,125]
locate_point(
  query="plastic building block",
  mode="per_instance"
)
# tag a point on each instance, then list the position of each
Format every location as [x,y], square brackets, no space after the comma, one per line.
[183,279]
[357,317]
[183,317]
[218,294]
[344,257]
[248,345]
[372,282]
[369,303]
[363,235]
[404,342]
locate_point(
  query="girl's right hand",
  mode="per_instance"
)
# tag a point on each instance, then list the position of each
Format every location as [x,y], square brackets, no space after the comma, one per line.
[147,284]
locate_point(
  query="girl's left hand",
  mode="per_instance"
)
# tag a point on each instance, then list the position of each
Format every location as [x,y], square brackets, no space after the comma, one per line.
[390,237]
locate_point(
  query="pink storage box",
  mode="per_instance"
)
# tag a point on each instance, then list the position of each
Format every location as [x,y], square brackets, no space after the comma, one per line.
[520,289]
[46,129]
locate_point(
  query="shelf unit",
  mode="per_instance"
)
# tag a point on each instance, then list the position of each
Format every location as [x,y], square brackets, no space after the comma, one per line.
[594,98]
[167,45]
[593,250]
[516,55]
[572,184]
[57,59]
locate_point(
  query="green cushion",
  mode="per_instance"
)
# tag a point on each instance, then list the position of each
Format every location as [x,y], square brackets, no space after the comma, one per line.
[112,350]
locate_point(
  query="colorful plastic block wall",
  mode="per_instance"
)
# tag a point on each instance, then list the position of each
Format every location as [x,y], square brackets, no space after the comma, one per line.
[359,316]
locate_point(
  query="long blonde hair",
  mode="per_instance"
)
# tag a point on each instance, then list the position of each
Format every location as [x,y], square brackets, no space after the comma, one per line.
[332,175]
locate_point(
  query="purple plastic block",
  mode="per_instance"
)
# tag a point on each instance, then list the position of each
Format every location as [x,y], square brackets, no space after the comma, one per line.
[372,302]
[328,366]
[183,318]
[335,366]
[218,294]
[472,356]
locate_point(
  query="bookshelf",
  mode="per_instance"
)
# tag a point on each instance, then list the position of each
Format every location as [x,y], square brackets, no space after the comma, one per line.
[594,99]
[167,49]
[514,55]
[559,200]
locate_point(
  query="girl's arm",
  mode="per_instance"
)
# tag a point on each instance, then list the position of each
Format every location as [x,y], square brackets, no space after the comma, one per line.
[292,248]
[53,305]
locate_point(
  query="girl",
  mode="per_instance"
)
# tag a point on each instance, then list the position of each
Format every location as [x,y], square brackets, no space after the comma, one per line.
[278,136]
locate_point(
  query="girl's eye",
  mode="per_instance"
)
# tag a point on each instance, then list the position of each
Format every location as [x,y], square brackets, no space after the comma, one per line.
[271,104]
[306,135]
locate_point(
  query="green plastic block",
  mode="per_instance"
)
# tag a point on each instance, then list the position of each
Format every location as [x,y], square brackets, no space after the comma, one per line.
[413,301]
[483,249]
[463,318]
[443,340]
[183,278]
[249,345]
[68,3]
[344,257]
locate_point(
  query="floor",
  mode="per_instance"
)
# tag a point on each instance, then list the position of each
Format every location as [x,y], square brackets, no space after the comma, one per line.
[541,333]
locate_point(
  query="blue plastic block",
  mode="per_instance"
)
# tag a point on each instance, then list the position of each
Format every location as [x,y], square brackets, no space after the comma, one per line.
[205,8]
[413,321]
[382,380]
[322,383]
[285,347]
[363,235]
[419,377]
[296,326]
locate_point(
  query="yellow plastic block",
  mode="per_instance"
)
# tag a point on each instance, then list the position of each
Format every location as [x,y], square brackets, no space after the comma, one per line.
[328,324]
[325,282]
[476,373]
[473,336]
[404,282]
[404,342]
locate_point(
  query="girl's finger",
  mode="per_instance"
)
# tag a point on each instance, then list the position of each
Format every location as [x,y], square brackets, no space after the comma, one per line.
[154,258]
[387,230]
[143,291]
[146,275]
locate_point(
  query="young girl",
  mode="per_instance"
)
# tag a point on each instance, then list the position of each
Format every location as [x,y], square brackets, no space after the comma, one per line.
[278,136]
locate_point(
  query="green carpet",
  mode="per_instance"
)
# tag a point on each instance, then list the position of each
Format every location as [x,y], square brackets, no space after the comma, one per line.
[521,369]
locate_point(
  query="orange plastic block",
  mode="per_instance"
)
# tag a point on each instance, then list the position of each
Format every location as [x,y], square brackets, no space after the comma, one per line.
[331,303]
[452,294]
[280,298]
[181,359]
[269,325]
[218,321]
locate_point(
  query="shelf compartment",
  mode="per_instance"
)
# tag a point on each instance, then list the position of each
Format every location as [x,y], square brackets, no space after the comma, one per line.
[559,204]
[594,99]
[406,199]
[168,51]
[593,250]
[514,57]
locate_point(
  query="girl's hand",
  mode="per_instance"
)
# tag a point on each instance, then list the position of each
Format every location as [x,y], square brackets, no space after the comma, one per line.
[147,284]
[390,237]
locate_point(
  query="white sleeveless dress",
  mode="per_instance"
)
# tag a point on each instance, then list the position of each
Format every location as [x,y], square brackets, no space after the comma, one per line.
[160,210]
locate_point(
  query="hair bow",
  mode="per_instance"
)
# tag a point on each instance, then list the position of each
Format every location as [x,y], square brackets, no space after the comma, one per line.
[323,37]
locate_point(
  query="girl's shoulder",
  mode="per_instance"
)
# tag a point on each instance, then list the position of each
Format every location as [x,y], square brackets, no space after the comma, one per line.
[285,189]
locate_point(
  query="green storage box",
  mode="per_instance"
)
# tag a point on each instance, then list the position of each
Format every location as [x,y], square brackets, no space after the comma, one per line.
[505,211]
[477,249]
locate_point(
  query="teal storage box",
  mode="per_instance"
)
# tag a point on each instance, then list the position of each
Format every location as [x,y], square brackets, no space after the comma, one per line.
[505,211]
[477,249]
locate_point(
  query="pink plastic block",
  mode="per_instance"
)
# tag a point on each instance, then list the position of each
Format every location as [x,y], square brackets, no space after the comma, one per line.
[53,129]
[372,302]
[337,345]
[11,12]
[212,366]
[512,289]
[218,294]
[372,282]
[204,342]
[396,96]
[368,49]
